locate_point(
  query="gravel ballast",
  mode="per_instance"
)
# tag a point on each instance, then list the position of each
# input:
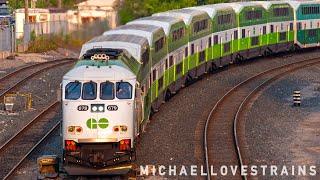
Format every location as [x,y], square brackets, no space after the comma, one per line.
[277,133]
[174,135]
[44,91]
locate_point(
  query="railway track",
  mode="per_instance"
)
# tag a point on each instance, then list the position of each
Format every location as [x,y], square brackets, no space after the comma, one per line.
[14,79]
[223,134]
[19,146]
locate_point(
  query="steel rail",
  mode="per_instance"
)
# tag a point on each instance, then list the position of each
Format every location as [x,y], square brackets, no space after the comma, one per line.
[43,112]
[60,63]
[254,92]
[31,150]
[32,66]
[25,130]
[205,145]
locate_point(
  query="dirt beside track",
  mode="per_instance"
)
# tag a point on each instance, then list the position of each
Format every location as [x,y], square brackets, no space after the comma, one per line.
[283,135]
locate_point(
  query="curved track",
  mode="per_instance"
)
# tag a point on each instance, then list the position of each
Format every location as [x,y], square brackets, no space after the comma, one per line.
[222,135]
[14,79]
[18,147]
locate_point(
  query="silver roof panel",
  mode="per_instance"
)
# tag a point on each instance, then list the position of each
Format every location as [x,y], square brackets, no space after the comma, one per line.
[142,30]
[164,22]
[186,14]
[131,43]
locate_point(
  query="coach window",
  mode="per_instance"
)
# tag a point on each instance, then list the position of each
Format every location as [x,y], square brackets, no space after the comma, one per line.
[124,90]
[171,61]
[210,42]
[107,91]
[89,91]
[200,25]
[192,49]
[186,52]
[271,29]
[177,34]
[145,56]
[264,30]
[159,44]
[243,34]
[73,90]
[154,75]
[166,64]
[299,26]
[235,34]
[215,39]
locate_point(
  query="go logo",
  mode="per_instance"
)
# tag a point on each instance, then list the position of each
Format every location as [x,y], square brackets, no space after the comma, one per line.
[103,123]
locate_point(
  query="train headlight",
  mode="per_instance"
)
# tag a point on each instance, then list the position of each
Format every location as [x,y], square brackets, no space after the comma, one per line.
[116,128]
[74,129]
[97,108]
[71,129]
[124,128]
[121,128]
[94,108]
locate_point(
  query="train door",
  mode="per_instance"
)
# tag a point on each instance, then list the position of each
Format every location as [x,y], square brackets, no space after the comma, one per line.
[139,115]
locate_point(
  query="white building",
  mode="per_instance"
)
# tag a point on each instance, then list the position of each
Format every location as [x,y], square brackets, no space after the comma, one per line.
[36,15]
[45,21]
[90,10]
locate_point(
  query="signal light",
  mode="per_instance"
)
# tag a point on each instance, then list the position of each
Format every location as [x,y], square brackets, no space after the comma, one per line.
[70,145]
[125,145]
[115,128]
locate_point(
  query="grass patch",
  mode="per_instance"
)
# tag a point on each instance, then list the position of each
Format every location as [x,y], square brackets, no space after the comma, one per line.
[46,43]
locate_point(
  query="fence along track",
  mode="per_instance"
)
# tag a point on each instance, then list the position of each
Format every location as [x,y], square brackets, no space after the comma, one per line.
[18,147]
[225,146]
[18,77]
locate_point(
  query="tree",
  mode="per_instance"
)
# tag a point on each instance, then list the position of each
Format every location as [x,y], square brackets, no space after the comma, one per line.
[132,9]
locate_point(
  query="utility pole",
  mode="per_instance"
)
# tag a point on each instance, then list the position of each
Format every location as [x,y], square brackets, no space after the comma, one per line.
[26,11]
[59,3]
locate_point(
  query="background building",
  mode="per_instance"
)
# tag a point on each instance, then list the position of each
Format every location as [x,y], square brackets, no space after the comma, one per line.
[91,10]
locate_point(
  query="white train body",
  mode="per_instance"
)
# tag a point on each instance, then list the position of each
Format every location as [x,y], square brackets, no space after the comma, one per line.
[98,117]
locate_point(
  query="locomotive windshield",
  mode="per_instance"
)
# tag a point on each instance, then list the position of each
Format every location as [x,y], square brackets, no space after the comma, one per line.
[4,11]
[124,90]
[107,91]
[73,90]
[89,91]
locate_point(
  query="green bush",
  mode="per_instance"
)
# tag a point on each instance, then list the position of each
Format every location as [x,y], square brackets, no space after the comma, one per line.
[133,9]
[46,43]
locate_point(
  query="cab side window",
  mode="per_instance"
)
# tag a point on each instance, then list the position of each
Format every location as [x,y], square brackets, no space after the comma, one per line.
[89,91]
[73,90]
[124,90]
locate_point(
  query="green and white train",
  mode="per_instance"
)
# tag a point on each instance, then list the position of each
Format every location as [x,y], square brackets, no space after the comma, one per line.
[153,57]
